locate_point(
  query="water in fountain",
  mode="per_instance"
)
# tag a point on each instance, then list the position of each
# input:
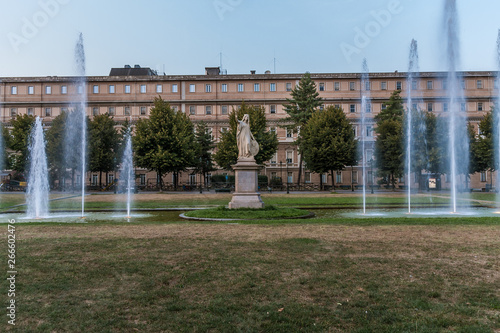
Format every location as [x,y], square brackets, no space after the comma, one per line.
[365,100]
[37,194]
[127,172]
[458,144]
[413,73]
[76,124]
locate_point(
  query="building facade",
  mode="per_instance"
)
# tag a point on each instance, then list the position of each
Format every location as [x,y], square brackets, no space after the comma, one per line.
[126,93]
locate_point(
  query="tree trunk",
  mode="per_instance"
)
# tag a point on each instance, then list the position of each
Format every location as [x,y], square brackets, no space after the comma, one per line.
[333,180]
[100,179]
[300,172]
[321,182]
[161,181]
[352,180]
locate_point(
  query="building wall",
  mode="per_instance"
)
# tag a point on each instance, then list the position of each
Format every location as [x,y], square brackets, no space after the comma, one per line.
[211,98]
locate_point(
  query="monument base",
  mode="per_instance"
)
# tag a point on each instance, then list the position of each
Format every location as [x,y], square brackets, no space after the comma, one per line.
[246,185]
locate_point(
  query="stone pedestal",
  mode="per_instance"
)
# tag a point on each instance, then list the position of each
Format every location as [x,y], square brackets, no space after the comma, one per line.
[246,185]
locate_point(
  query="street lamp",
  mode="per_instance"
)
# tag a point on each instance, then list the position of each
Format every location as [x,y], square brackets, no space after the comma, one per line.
[281,174]
[287,189]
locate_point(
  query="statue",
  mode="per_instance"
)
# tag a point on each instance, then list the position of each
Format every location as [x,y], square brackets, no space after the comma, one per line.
[247,145]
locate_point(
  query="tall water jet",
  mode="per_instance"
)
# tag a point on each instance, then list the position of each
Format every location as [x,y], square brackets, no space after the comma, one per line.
[413,72]
[458,144]
[37,194]
[76,124]
[365,100]
[127,172]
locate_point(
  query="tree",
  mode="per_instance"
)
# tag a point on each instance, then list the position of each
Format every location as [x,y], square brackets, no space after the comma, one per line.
[227,149]
[103,145]
[304,102]
[205,144]
[482,148]
[327,141]
[73,141]
[165,141]
[55,137]
[20,133]
[389,143]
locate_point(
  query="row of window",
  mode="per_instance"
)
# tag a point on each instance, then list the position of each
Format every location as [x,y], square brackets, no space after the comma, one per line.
[47,112]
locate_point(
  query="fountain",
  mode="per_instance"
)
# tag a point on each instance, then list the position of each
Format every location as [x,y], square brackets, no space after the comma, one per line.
[365,100]
[127,172]
[458,144]
[37,194]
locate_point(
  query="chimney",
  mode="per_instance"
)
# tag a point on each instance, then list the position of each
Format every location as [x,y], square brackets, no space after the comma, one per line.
[252,72]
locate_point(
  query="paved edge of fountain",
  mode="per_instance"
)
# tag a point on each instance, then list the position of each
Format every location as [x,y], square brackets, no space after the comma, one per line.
[307,216]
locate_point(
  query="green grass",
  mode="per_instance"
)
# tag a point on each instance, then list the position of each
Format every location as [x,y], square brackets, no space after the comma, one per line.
[269,212]
[200,278]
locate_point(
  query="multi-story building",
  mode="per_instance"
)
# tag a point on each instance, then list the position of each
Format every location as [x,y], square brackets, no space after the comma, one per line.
[130,91]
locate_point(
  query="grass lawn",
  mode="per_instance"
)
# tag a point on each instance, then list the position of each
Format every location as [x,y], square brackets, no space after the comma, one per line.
[352,275]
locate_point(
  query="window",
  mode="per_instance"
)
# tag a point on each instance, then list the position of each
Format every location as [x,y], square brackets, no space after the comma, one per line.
[352,108]
[337,106]
[383,107]
[324,178]
[273,129]
[483,176]
[142,179]
[273,108]
[13,90]
[111,111]
[289,133]
[479,84]
[95,111]
[336,86]
[192,88]
[272,87]
[64,90]
[429,107]
[321,86]
[289,179]
[126,111]
[127,89]
[159,88]
[480,106]
[414,85]
[368,108]
[241,87]
[289,156]
[175,108]
[462,84]
[31,112]
[463,107]
[445,107]
[64,110]
[352,86]
[223,87]
[367,85]
[208,88]
[398,85]
[224,109]
[143,89]
[369,131]
[383,85]
[111,178]
[174,88]
[31,90]
[111,89]
[414,106]
[338,179]
[95,179]
[445,84]
[48,90]
[256,87]
[95,89]
[429,85]
[48,112]
[208,109]
[79,89]
[143,110]
[307,177]
[13,112]
[192,109]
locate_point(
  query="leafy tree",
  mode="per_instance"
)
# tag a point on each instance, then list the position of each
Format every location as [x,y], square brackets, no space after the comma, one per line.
[482,147]
[103,145]
[21,128]
[304,102]
[389,143]
[205,144]
[55,137]
[227,149]
[327,141]
[165,141]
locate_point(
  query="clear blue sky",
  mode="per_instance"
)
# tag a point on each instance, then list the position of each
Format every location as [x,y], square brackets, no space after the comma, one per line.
[183,36]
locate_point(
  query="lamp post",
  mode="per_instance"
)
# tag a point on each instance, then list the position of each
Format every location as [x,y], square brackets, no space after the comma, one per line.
[371,172]
[281,173]
[287,189]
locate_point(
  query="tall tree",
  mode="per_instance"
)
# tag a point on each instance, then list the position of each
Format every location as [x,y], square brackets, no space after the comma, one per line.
[103,145]
[20,132]
[227,149]
[389,142]
[304,102]
[482,147]
[205,144]
[55,137]
[328,142]
[165,141]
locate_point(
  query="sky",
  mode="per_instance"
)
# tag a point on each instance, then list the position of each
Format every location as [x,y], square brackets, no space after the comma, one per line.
[38,37]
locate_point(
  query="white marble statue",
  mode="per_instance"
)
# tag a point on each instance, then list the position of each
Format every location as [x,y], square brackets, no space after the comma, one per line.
[247,145]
